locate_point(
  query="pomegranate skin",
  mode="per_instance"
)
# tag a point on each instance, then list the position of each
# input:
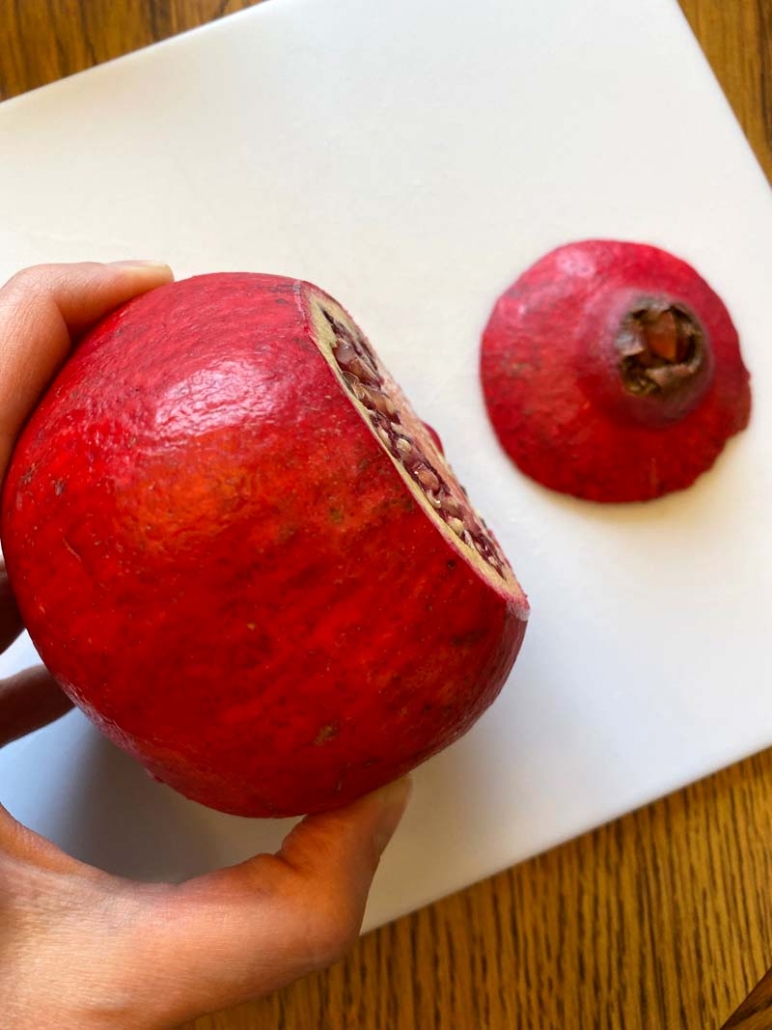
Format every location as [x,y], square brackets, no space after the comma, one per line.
[550,373]
[217,560]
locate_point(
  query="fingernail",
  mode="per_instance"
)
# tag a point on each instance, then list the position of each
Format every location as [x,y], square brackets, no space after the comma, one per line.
[393,802]
[142,263]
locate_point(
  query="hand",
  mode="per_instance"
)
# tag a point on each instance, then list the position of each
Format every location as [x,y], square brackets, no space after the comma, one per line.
[82,950]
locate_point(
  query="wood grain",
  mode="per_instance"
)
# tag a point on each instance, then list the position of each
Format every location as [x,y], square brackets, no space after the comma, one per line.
[43,40]
[659,921]
[736,36]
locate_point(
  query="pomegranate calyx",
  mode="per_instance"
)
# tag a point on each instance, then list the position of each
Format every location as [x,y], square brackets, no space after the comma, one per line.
[662,348]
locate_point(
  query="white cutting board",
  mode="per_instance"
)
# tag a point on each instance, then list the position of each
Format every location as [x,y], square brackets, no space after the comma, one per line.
[413,157]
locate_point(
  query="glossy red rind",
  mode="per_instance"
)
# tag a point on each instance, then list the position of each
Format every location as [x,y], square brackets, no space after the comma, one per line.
[221,566]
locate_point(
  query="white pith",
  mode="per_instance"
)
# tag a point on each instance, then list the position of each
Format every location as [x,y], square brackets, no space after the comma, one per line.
[327,341]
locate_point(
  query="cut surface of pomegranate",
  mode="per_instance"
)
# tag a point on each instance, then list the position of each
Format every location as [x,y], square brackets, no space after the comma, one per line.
[243,555]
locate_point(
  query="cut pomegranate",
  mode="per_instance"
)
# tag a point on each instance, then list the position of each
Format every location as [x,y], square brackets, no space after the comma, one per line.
[613,372]
[243,555]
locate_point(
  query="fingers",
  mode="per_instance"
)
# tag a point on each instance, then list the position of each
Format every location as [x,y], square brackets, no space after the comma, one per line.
[29,700]
[10,618]
[244,931]
[43,310]
[173,953]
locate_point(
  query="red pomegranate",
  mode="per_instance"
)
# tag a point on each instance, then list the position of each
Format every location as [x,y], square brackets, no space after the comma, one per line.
[612,371]
[241,553]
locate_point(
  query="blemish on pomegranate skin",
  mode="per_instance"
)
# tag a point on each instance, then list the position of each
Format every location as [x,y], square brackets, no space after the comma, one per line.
[71,549]
[328,732]
[612,371]
[467,640]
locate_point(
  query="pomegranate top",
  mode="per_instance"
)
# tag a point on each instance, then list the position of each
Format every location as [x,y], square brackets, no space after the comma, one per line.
[612,371]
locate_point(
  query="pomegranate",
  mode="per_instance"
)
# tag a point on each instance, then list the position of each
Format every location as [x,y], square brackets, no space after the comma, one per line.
[241,553]
[613,372]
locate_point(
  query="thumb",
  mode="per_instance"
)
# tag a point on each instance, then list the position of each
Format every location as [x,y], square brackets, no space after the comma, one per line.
[45,308]
[244,931]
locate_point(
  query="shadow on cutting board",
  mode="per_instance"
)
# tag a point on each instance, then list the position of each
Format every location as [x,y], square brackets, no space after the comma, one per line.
[122,821]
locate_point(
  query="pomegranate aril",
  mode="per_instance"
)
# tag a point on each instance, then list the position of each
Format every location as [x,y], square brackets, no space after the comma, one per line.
[359,369]
[378,400]
[451,505]
[363,371]
[427,479]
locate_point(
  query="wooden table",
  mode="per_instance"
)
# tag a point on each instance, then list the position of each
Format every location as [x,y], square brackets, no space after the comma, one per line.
[659,921]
